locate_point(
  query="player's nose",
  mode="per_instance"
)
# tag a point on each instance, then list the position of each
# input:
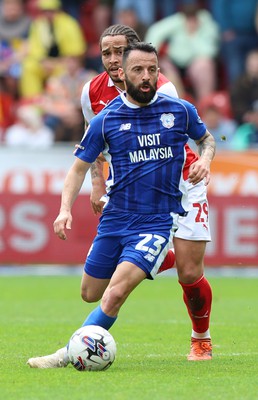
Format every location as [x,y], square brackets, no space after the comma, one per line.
[113,58]
[146,75]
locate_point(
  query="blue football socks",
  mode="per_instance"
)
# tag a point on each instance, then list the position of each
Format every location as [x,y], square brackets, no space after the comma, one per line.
[98,317]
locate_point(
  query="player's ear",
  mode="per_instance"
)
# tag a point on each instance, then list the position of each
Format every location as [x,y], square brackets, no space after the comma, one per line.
[121,74]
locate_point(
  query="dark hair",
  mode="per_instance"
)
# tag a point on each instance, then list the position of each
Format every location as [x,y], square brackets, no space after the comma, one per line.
[123,30]
[142,46]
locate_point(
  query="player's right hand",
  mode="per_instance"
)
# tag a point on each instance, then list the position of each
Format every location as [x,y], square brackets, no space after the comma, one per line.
[61,223]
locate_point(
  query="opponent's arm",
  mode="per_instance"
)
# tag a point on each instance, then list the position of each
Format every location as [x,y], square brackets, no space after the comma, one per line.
[201,168]
[72,185]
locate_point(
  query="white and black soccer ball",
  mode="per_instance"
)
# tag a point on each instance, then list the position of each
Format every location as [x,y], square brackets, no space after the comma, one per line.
[91,348]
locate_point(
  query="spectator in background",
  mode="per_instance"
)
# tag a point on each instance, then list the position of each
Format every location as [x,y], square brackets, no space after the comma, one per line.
[148,11]
[53,36]
[237,22]
[129,16]
[246,136]
[216,112]
[192,38]
[220,125]
[244,90]
[61,103]
[145,10]
[29,130]
[7,105]
[14,29]
[96,16]
[73,7]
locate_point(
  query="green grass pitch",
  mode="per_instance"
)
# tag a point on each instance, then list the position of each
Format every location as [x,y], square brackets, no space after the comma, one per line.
[39,314]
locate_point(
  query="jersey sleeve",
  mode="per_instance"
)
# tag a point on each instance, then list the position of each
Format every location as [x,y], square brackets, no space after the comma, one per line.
[86,103]
[168,89]
[195,126]
[92,143]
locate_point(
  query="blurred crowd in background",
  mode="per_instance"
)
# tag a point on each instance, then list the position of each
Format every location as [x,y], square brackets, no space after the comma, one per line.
[50,48]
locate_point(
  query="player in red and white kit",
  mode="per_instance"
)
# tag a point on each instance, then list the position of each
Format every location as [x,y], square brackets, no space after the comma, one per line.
[193,232]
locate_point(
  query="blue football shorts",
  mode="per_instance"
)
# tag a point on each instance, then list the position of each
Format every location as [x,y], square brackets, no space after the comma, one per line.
[141,239]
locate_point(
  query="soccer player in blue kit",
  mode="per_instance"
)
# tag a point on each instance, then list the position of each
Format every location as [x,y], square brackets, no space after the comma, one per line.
[142,135]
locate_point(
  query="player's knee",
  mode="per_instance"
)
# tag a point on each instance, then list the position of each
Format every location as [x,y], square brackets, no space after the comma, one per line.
[90,296]
[114,298]
[190,274]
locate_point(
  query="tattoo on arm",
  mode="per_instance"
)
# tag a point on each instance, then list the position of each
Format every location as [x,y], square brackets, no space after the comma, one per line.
[96,169]
[207,146]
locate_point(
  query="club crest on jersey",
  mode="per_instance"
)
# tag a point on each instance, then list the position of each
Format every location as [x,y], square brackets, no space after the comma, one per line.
[167,120]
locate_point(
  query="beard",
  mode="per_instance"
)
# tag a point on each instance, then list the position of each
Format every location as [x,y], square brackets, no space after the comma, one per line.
[137,94]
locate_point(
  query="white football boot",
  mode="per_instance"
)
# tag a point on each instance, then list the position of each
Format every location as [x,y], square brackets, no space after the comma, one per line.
[57,360]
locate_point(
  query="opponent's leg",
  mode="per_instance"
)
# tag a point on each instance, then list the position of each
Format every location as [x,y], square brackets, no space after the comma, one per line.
[169,261]
[197,295]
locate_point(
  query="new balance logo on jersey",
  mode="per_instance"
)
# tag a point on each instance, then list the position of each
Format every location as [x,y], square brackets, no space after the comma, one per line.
[125,127]
[149,257]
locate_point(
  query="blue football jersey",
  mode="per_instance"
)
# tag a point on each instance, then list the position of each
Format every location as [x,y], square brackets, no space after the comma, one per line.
[144,147]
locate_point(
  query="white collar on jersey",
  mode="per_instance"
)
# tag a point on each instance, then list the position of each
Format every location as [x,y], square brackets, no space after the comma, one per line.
[111,83]
[131,105]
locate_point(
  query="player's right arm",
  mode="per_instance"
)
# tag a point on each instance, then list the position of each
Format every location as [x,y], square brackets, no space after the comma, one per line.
[72,185]
[97,181]
[96,170]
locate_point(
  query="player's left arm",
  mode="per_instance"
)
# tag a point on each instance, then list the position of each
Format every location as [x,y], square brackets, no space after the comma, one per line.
[98,185]
[201,168]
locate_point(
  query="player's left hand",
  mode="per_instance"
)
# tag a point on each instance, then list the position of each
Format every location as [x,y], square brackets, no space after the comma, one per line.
[198,171]
[97,193]
[96,204]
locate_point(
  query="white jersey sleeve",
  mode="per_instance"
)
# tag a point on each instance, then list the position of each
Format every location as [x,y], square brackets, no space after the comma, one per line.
[86,103]
[169,89]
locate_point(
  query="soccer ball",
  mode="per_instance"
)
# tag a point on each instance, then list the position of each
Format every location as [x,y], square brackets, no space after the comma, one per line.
[91,348]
